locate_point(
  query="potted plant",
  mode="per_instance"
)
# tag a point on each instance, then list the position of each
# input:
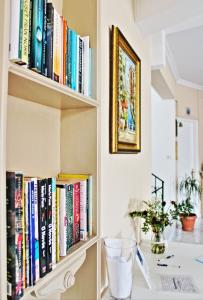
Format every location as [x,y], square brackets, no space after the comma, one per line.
[189,187]
[156,219]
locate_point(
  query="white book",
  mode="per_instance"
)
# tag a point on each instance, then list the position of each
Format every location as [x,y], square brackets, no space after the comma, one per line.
[90,205]
[83,210]
[53,223]
[62,222]
[86,41]
[57,36]
[14,30]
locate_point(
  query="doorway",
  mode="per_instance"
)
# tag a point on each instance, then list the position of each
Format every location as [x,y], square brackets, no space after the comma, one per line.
[187,151]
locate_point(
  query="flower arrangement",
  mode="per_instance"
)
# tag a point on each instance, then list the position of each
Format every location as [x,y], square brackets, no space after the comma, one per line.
[156,219]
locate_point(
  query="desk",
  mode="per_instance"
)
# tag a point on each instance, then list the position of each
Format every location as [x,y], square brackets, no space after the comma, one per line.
[184,255]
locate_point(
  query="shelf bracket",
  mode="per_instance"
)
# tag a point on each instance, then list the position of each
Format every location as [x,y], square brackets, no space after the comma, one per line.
[62,279]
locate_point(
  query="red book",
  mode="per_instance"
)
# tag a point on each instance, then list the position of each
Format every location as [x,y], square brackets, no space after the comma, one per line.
[76,212]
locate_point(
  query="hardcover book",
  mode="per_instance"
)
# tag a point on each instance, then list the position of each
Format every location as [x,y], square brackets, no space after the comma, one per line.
[49,224]
[15,276]
[69,208]
[44,39]
[49,49]
[25,35]
[57,46]
[62,222]
[76,212]
[37,35]
[42,204]
[54,217]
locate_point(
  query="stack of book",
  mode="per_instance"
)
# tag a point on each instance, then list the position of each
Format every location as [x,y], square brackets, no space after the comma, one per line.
[45,217]
[41,40]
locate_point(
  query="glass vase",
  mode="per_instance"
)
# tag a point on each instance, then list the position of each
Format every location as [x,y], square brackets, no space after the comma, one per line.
[158,244]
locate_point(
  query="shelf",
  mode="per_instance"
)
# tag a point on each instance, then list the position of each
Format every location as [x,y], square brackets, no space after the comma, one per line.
[69,264]
[29,85]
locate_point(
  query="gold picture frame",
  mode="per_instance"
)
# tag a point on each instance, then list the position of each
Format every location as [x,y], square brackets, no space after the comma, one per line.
[125,96]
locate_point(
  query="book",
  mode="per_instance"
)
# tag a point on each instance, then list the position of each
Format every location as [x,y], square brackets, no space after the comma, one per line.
[54,222]
[44,39]
[21,29]
[49,225]
[14,189]
[62,222]
[83,209]
[25,32]
[29,63]
[57,223]
[70,220]
[76,212]
[80,66]
[26,240]
[64,54]
[15,28]
[33,199]
[30,234]
[56,46]
[42,204]
[86,65]
[66,176]
[74,42]
[49,48]
[37,35]
[69,57]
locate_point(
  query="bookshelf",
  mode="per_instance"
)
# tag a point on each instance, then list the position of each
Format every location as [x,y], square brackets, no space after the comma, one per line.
[47,128]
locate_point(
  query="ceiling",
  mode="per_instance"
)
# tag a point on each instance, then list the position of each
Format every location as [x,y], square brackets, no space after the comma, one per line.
[182,23]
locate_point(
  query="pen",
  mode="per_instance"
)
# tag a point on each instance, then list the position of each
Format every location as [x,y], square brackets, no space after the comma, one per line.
[167,257]
[166,265]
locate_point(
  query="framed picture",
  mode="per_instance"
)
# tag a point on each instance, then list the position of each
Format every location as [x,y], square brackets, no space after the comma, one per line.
[125,102]
[143,266]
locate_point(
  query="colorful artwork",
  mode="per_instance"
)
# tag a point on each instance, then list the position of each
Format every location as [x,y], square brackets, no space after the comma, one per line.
[126,98]
[125,112]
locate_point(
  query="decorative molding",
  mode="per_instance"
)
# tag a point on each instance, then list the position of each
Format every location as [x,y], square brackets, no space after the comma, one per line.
[171,62]
[194,22]
[62,280]
[190,84]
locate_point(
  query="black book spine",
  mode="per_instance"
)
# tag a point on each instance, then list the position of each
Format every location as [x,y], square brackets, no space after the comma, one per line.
[44,39]
[49,224]
[42,208]
[49,48]
[15,275]
[80,65]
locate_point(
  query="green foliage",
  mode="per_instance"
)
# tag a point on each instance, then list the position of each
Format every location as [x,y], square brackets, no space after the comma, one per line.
[190,186]
[185,209]
[154,217]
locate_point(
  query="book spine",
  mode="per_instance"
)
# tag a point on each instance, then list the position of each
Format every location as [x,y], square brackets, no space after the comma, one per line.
[89,206]
[14,32]
[86,65]
[56,46]
[64,51]
[62,222]
[69,57]
[80,68]
[14,188]
[24,237]
[30,35]
[21,29]
[54,216]
[44,39]
[36,232]
[37,35]
[90,73]
[25,39]
[42,198]
[74,59]
[57,223]
[49,49]
[83,210]
[27,234]
[33,229]
[70,215]
[61,50]
[30,233]
[77,63]
[49,224]
[76,212]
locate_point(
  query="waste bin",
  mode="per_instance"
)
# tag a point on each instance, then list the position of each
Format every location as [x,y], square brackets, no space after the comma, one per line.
[120,257]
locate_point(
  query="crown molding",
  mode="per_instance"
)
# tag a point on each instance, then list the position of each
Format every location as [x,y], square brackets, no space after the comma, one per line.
[190,84]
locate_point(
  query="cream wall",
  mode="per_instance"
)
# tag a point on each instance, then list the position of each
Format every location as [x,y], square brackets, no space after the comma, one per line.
[123,176]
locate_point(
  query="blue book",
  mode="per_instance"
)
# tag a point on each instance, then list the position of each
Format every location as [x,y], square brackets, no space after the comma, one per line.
[74,41]
[37,35]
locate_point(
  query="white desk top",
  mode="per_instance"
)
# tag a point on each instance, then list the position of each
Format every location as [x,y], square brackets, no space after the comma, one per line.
[184,255]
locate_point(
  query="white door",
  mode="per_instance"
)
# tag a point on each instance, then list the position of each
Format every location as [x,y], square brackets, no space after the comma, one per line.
[187,140]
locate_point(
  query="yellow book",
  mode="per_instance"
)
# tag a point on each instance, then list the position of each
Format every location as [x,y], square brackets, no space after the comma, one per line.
[65,176]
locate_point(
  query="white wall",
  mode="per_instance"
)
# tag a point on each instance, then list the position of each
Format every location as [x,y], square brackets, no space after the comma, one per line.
[163,143]
[123,176]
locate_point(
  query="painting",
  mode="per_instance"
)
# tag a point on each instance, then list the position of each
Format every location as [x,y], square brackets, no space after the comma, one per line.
[125,101]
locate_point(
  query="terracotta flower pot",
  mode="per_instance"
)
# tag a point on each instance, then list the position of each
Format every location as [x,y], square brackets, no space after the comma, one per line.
[188,222]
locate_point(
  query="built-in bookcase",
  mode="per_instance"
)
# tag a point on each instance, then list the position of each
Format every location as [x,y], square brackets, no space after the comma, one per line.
[47,128]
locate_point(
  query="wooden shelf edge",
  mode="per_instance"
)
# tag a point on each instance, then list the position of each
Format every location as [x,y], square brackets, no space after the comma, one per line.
[68,265]
[52,85]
